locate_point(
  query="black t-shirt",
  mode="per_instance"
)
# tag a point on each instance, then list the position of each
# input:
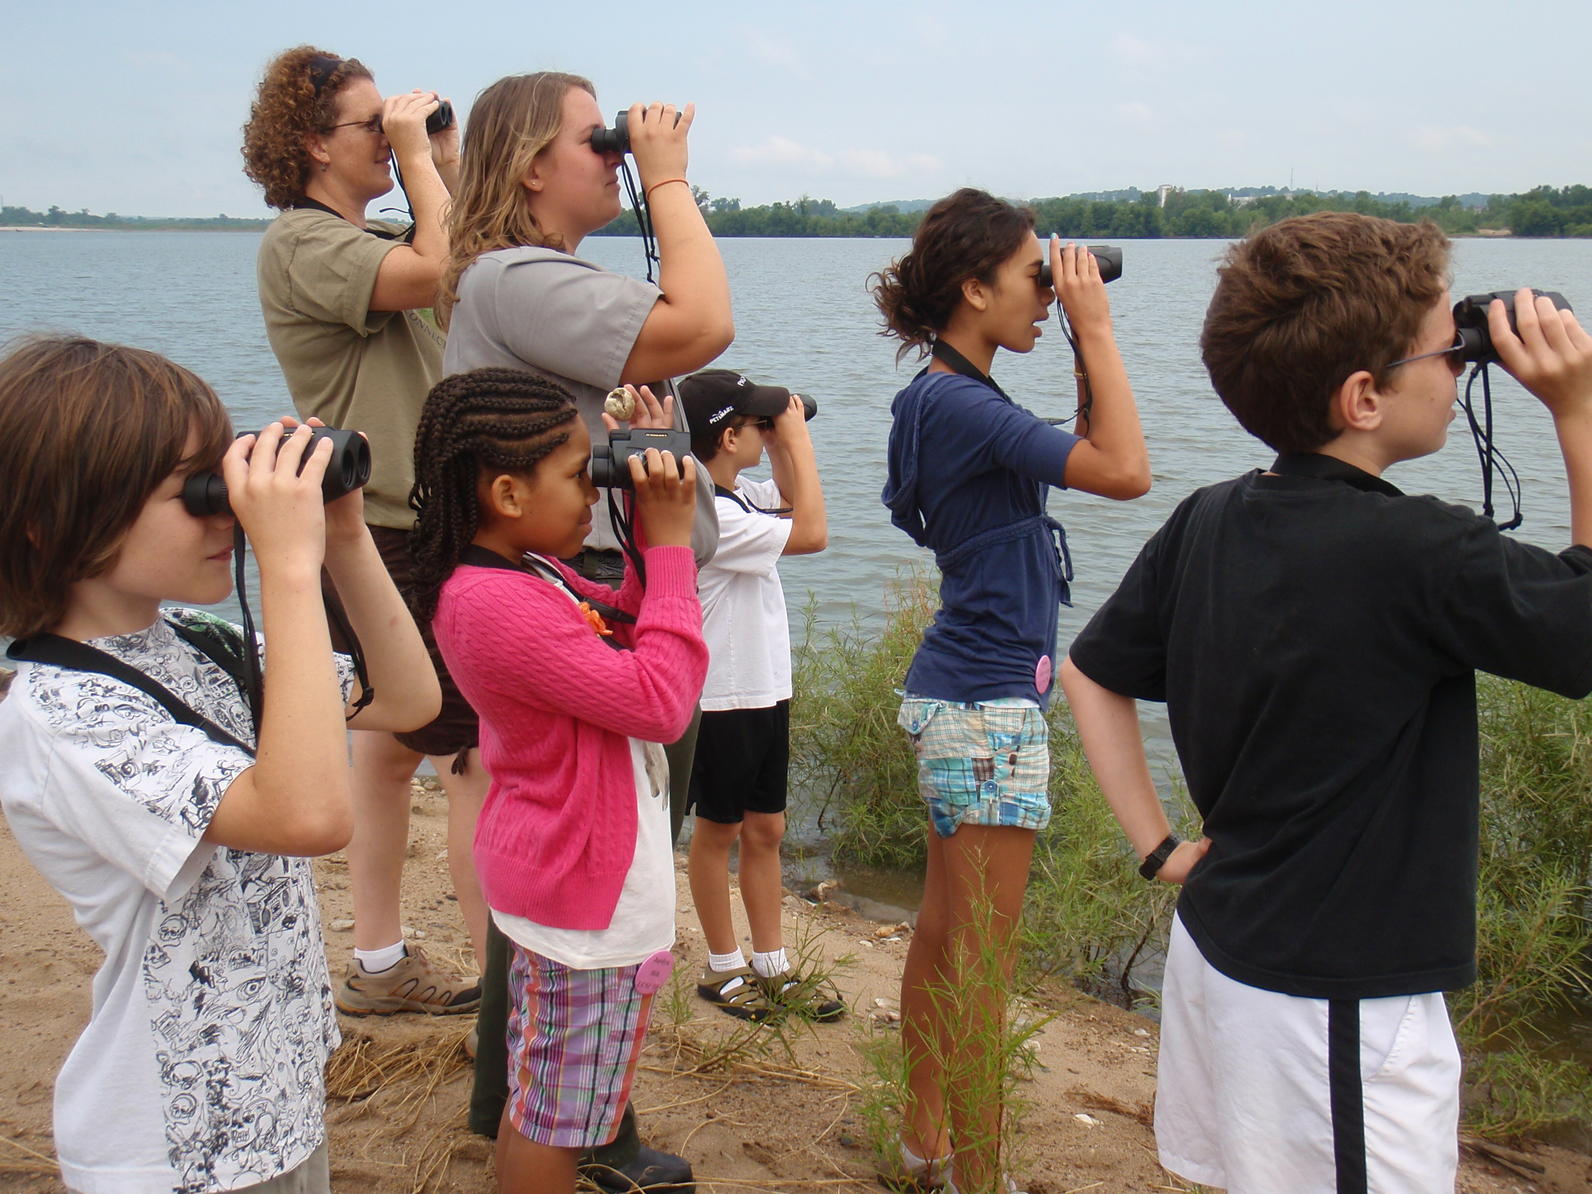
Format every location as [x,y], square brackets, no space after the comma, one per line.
[1316,643]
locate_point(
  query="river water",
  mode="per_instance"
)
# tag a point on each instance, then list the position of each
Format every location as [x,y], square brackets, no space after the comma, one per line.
[804,320]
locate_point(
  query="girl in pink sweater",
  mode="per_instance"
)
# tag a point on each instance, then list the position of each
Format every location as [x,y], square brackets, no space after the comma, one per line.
[573,695]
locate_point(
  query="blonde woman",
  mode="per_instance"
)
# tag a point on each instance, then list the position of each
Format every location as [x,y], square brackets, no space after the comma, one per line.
[516,294]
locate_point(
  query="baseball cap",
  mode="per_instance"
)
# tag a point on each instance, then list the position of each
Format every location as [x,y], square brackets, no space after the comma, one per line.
[712,396]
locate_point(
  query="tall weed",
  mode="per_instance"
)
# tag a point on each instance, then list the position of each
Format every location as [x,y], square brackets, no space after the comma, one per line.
[1092,920]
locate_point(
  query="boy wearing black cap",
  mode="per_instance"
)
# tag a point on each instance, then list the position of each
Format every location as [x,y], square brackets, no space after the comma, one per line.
[738,779]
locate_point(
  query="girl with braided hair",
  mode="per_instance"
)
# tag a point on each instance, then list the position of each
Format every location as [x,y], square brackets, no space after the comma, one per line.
[574,695]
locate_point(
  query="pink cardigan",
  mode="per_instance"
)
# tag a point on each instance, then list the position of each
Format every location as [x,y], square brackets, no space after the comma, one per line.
[557,707]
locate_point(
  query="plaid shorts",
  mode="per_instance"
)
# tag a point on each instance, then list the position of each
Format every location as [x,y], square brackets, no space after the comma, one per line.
[980,762]
[573,1040]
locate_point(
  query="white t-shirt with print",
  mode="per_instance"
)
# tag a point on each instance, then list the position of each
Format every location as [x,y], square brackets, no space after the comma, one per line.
[743,604]
[201,1068]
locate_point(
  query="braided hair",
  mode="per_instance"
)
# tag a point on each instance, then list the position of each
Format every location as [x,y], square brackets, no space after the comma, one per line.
[505,420]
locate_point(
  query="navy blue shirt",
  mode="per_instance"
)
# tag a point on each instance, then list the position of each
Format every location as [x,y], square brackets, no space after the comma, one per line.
[968,474]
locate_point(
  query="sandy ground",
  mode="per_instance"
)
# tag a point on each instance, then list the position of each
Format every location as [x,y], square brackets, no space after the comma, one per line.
[781,1112]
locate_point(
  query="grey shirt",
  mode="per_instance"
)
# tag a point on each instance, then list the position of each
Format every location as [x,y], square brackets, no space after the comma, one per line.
[573,322]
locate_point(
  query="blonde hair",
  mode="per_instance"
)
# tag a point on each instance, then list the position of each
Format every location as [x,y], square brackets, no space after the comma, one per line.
[511,122]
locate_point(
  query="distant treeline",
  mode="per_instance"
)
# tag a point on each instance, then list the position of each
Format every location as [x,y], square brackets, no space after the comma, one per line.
[22,217]
[1543,211]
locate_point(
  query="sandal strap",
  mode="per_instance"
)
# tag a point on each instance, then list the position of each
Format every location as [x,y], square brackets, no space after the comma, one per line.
[748,995]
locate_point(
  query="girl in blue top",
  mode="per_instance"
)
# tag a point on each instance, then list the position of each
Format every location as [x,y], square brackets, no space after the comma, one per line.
[969,472]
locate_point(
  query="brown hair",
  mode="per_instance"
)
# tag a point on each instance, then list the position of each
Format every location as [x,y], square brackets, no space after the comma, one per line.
[87,432]
[511,122]
[1306,302]
[966,235]
[296,99]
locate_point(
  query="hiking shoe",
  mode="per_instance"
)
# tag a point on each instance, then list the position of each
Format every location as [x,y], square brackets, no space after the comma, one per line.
[809,997]
[413,985]
[649,1170]
[739,992]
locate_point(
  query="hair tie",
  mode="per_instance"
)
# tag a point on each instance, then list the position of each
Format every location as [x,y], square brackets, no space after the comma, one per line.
[647,194]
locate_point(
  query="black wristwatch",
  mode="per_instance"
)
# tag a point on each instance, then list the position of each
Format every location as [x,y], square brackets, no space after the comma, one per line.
[1156,858]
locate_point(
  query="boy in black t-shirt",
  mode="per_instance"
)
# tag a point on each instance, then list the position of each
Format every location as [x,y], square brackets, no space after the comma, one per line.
[1315,635]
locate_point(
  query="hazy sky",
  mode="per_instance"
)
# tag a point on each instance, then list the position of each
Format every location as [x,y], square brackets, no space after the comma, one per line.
[136,108]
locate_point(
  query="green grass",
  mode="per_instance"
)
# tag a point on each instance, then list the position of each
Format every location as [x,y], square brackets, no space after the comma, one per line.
[1092,920]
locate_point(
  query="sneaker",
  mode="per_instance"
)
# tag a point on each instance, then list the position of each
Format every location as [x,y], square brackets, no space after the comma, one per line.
[738,992]
[413,985]
[805,996]
[649,1170]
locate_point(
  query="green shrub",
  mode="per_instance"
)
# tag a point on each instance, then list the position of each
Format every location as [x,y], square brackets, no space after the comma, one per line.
[1089,917]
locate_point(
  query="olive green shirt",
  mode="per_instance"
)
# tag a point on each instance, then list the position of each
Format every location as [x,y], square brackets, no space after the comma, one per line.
[345,364]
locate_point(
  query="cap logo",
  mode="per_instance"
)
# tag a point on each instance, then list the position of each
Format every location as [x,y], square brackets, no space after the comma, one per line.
[721,412]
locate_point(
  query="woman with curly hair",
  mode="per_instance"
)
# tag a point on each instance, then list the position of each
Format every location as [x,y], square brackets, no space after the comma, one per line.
[346,303]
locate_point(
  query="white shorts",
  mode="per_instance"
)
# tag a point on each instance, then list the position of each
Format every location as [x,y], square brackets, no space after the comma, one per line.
[1258,1092]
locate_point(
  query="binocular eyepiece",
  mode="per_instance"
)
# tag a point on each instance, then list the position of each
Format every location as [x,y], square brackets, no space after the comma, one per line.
[614,140]
[205,494]
[1109,257]
[1475,341]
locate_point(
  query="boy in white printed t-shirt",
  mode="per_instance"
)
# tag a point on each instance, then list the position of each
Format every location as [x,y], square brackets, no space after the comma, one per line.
[738,778]
[135,779]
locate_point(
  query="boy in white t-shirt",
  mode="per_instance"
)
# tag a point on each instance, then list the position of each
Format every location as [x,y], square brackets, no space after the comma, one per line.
[135,779]
[738,778]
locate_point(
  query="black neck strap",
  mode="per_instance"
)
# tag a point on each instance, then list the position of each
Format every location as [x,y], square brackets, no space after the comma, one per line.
[79,656]
[1330,468]
[943,352]
[747,504]
[481,557]
[408,235]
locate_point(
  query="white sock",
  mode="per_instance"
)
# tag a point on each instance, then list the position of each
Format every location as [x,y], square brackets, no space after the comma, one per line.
[374,961]
[721,963]
[770,964]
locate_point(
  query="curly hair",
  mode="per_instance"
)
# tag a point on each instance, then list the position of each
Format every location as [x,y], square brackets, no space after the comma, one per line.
[511,122]
[487,419]
[297,97]
[88,431]
[1304,303]
[964,236]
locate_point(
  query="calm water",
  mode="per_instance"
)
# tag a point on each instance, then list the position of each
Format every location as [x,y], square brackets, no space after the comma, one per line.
[804,320]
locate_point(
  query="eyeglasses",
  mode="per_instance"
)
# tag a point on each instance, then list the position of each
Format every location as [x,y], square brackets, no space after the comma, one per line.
[1455,353]
[373,125]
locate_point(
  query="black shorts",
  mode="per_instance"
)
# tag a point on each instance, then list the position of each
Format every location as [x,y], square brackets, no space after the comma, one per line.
[456,728]
[742,756]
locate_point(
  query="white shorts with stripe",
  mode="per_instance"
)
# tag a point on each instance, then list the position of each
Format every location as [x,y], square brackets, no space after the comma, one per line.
[1259,1092]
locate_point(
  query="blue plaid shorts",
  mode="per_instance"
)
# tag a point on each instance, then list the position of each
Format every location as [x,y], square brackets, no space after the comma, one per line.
[980,762]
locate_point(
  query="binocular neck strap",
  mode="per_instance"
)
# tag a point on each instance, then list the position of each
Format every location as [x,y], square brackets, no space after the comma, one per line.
[943,352]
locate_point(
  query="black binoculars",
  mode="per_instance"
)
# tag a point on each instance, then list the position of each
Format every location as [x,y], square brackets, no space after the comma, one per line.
[617,139]
[610,462]
[1470,321]
[441,119]
[205,494]
[1109,257]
